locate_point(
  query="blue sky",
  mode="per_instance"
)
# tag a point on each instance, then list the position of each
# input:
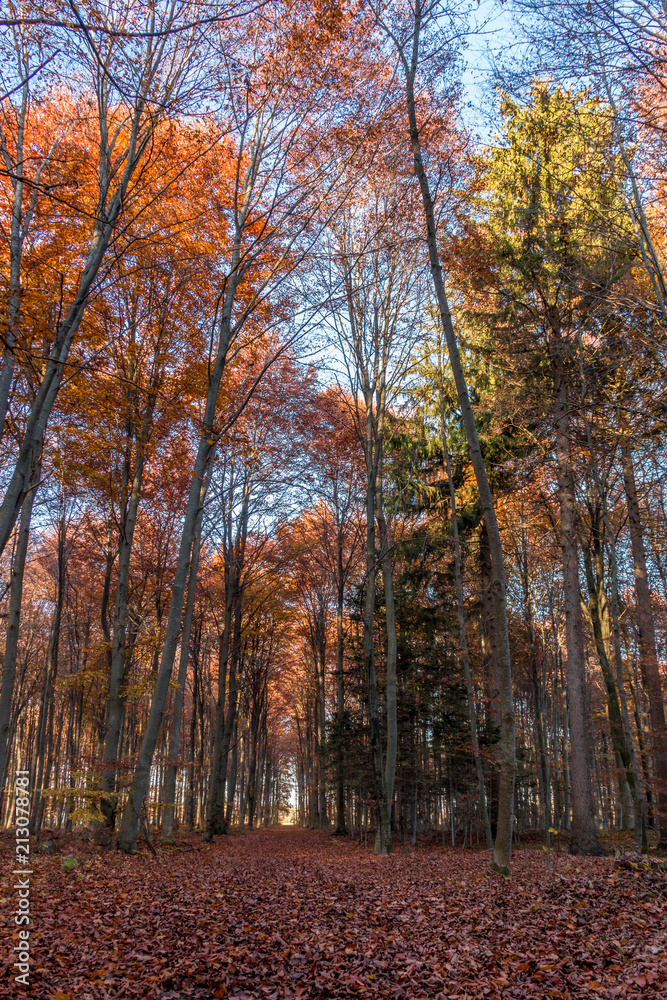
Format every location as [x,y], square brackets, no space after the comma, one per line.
[493,38]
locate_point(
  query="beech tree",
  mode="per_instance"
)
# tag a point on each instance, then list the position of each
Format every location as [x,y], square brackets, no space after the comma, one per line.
[314,410]
[135,86]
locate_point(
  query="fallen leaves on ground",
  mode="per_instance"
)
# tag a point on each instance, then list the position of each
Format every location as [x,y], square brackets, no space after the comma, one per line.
[287,913]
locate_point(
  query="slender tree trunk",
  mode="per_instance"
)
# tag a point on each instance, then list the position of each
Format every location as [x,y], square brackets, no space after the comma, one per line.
[598,616]
[14,620]
[216,807]
[489,651]
[321,749]
[119,662]
[386,562]
[647,644]
[383,844]
[40,775]
[233,773]
[169,793]
[463,645]
[340,694]
[503,843]
[584,839]
[127,838]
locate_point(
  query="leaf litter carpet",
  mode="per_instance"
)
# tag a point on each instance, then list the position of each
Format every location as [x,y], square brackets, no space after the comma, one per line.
[288,913]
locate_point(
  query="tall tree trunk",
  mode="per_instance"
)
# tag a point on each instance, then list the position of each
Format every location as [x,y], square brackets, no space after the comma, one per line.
[41,768]
[169,793]
[489,651]
[583,839]
[321,748]
[208,438]
[373,448]
[386,561]
[231,718]
[340,692]
[463,644]
[503,842]
[233,772]
[216,807]
[14,620]
[600,629]
[117,675]
[108,210]
[647,644]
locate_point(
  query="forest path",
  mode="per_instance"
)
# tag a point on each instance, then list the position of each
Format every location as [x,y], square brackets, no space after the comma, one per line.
[285,913]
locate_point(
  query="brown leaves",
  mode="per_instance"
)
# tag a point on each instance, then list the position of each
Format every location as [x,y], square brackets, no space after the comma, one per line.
[286,913]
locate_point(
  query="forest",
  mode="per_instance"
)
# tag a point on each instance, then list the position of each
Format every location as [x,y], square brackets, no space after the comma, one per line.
[333,498]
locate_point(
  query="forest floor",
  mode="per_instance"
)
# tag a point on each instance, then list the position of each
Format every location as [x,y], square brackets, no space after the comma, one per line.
[288,913]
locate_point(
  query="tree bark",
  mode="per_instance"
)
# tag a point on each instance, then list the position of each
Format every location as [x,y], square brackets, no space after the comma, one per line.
[583,834]
[386,562]
[503,842]
[600,629]
[14,619]
[127,838]
[132,485]
[341,828]
[463,644]
[169,796]
[647,644]
[383,844]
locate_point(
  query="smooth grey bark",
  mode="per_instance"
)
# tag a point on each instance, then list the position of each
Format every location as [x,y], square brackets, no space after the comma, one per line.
[236,662]
[489,652]
[127,838]
[537,685]
[40,771]
[233,771]
[383,844]
[503,842]
[598,616]
[341,828]
[647,643]
[583,839]
[131,488]
[234,561]
[386,562]
[14,619]
[463,644]
[169,793]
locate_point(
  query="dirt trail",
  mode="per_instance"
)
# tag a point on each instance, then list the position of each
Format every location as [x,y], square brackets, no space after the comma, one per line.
[287,913]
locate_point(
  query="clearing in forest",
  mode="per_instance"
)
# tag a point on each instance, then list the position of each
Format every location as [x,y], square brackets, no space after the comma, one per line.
[284,913]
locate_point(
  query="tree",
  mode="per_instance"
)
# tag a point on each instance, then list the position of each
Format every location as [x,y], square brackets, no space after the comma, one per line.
[135,86]
[408,36]
[552,193]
